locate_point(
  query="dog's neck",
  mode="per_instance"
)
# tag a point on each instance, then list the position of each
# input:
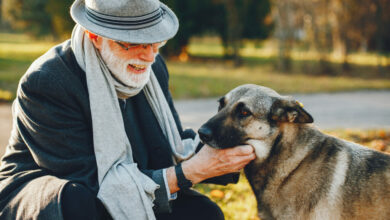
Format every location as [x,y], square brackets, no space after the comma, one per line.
[269,173]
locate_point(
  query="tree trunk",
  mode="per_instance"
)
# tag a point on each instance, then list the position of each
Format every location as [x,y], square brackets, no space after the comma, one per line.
[284,33]
[234,31]
[379,35]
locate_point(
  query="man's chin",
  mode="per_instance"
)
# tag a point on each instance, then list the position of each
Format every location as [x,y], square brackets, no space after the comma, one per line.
[138,79]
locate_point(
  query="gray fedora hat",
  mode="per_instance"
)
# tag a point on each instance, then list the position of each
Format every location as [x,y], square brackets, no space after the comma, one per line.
[134,21]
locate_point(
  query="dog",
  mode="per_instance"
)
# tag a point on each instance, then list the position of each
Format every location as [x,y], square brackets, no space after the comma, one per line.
[299,172]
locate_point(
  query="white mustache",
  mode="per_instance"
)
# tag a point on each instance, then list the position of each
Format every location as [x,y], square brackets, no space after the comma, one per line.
[139,62]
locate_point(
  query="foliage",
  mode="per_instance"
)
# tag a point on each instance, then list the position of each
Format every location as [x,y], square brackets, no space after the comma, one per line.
[237,200]
[194,18]
[27,16]
[39,18]
[338,26]
[61,22]
[375,139]
[231,20]
[244,19]
[328,27]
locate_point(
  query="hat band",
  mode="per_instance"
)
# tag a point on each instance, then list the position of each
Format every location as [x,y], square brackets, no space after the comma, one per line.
[125,22]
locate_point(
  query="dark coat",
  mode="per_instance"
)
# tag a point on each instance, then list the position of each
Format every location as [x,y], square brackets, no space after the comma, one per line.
[51,141]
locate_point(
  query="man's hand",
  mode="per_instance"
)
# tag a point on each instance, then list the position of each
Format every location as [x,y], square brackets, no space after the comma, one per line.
[210,162]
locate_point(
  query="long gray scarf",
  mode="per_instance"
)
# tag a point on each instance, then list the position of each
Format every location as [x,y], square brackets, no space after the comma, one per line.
[124,190]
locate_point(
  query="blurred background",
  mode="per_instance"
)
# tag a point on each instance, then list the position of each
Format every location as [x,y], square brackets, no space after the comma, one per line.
[292,46]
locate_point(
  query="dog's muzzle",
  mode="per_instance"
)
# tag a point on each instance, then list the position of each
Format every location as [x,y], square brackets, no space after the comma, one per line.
[205,134]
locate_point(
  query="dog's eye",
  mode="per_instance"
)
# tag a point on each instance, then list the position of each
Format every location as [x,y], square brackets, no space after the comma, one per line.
[244,113]
[242,110]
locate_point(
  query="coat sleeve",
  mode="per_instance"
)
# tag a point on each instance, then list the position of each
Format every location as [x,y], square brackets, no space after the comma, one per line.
[51,121]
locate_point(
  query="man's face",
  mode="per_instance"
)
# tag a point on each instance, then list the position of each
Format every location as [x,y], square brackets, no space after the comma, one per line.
[132,66]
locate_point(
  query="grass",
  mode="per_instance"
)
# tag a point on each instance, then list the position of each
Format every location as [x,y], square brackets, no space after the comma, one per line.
[237,200]
[189,80]
[206,74]
[17,52]
[212,47]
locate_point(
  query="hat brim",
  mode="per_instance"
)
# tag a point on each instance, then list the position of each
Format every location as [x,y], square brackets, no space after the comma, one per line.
[162,31]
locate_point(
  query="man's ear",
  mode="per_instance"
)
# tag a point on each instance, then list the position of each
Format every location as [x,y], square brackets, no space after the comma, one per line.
[96,40]
[289,111]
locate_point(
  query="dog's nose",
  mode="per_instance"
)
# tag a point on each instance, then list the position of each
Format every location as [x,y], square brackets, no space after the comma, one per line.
[205,134]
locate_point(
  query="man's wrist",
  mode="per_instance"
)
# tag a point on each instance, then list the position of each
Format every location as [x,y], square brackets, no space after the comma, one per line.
[182,181]
[191,172]
[171,196]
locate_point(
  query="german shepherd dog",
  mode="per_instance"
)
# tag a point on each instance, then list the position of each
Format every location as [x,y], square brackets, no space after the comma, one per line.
[299,172]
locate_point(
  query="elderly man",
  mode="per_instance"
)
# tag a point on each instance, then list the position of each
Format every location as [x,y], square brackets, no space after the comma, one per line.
[96,135]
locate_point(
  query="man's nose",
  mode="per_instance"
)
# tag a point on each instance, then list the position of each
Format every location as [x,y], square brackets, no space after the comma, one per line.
[147,53]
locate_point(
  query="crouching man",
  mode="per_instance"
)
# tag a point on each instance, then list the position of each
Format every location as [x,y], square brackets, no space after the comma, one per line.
[96,134]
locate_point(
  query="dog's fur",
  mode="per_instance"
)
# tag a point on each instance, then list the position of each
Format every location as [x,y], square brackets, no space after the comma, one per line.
[299,172]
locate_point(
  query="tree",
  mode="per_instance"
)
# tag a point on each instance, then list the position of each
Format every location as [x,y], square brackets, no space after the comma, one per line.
[285,24]
[60,20]
[231,20]
[195,17]
[27,16]
[39,18]
[243,19]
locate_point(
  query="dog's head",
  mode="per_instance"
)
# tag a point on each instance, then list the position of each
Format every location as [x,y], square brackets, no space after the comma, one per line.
[251,112]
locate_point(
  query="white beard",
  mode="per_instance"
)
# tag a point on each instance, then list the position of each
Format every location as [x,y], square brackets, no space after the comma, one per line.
[118,67]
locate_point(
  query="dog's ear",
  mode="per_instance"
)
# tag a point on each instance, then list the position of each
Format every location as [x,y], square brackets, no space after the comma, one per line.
[289,111]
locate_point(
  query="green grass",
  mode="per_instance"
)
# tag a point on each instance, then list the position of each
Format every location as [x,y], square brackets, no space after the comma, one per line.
[211,47]
[206,74]
[192,80]
[237,200]
[17,52]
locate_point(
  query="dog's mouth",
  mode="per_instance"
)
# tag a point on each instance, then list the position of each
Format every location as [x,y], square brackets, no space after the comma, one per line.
[215,145]
[212,144]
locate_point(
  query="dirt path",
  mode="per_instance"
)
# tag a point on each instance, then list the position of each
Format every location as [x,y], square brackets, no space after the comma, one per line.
[356,110]
[5,125]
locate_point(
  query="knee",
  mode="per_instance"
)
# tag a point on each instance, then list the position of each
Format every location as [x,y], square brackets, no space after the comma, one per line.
[77,202]
[207,209]
[212,211]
